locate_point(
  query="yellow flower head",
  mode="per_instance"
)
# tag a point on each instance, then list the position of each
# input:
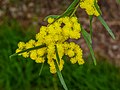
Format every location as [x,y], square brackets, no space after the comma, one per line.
[56,33]
[89,7]
[50,20]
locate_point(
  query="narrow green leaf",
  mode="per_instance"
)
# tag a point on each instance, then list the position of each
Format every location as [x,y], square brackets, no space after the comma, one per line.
[91,29]
[71,7]
[106,26]
[37,47]
[57,55]
[87,35]
[97,7]
[75,9]
[51,16]
[59,72]
[89,45]
[68,11]
[41,69]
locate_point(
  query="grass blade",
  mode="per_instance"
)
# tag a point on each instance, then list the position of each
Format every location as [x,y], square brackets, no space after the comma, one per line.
[59,72]
[89,45]
[106,26]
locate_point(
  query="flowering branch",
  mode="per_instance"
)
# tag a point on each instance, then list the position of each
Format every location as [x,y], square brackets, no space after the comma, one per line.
[51,41]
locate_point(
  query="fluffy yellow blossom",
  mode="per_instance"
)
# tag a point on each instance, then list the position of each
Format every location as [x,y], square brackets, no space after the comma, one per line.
[61,64]
[41,51]
[25,54]
[89,7]
[73,19]
[56,33]
[33,54]
[50,20]
[73,60]
[40,60]
[70,53]
[52,68]
[30,44]
[18,50]
[21,45]
[81,61]
[60,49]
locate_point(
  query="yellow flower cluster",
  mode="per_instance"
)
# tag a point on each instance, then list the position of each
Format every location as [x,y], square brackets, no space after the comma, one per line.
[89,7]
[56,33]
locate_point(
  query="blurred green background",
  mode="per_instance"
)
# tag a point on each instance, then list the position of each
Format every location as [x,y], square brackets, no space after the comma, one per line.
[19,73]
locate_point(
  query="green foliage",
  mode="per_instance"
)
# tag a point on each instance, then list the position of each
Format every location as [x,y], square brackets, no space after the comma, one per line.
[58,71]
[106,26]
[118,1]
[23,74]
[67,12]
[88,40]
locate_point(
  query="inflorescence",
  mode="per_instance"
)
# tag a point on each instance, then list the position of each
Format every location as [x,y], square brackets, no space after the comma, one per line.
[89,7]
[55,34]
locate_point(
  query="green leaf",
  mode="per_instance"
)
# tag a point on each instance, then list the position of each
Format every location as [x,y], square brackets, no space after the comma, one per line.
[68,11]
[89,45]
[57,55]
[87,35]
[106,26]
[91,29]
[51,16]
[59,72]
[41,69]
[70,8]
[75,9]
[97,7]
[34,48]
